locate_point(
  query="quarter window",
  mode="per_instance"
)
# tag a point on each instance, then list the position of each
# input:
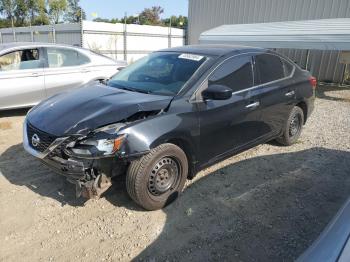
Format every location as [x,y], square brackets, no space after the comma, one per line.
[269,68]
[20,60]
[60,57]
[236,73]
[287,68]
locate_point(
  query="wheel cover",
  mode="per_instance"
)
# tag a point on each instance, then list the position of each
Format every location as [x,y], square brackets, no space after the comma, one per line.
[295,125]
[164,176]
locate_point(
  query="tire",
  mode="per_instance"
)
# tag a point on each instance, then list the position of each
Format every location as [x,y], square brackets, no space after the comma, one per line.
[156,179]
[293,127]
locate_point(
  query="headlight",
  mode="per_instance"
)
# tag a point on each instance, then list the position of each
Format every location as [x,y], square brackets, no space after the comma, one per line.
[103,142]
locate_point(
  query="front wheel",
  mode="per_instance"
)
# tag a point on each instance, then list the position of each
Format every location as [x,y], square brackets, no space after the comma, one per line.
[156,179]
[292,128]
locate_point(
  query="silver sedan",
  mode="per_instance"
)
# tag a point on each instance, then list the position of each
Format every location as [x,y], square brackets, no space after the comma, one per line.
[31,72]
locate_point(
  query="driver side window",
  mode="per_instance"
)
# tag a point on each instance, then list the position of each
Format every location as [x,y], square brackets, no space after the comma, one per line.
[20,60]
[235,73]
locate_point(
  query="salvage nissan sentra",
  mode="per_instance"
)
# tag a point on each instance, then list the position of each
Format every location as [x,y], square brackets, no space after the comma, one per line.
[169,115]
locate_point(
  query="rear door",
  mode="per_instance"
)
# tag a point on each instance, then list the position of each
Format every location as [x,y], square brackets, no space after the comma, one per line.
[21,78]
[277,91]
[229,125]
[66,69]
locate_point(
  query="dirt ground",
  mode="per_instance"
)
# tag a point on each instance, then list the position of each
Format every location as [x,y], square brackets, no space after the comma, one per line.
[267,204]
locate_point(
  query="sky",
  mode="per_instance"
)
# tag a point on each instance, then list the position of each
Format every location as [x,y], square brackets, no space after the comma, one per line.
[117,8]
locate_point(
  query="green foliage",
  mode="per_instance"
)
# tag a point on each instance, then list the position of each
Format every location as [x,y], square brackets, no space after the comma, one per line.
[149,16]
[56,10]
[74,12]
[39,12]
[5,23]
[176,21]
[8,7]
[42,12]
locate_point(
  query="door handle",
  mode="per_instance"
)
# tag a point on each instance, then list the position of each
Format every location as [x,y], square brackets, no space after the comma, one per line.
[253,105]
[35,74]
[290,93]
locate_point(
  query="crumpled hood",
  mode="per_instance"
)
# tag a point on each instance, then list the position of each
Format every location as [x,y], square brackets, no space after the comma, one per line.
[87,108]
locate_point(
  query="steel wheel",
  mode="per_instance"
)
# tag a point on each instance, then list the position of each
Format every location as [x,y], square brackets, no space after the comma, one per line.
[164,176]
[292,127]
[156,179]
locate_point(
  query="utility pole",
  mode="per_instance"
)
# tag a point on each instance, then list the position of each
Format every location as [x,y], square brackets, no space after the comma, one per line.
[125,40]
[13,29]
[169,33]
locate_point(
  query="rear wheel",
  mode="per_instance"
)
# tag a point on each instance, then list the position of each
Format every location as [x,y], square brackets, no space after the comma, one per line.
[156,179]
[293,127]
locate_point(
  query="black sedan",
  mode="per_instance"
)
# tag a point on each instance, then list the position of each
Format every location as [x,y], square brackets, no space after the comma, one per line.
[169,115]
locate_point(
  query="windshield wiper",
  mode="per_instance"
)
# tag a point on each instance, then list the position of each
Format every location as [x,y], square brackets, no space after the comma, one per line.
[134,90]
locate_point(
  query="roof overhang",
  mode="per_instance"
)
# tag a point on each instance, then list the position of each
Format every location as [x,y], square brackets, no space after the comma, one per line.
[323,34]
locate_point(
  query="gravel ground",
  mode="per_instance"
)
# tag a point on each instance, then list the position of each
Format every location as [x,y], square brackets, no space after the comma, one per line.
[267,204]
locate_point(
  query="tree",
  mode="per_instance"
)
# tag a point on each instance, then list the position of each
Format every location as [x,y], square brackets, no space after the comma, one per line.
[176,21]
[105,20]
[74,12]
[42,17]
[20,12]
[7,8]
[37,12]
[57,9]
[151,16]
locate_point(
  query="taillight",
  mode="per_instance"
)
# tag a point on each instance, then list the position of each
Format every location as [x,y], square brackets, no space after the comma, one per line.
[313,82]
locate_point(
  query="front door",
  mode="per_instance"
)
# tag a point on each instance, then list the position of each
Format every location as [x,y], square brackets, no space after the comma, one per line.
[21,78]
[229,125]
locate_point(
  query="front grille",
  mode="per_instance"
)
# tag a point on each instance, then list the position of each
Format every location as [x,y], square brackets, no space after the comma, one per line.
[38,139]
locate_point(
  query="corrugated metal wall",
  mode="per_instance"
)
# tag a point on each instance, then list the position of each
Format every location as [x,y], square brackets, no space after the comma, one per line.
[206,14]
[60,33]
[118,41]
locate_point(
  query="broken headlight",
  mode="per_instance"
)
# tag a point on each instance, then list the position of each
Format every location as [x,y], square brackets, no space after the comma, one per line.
[102,142]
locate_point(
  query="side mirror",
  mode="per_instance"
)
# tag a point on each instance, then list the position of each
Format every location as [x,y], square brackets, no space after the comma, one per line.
[217,92]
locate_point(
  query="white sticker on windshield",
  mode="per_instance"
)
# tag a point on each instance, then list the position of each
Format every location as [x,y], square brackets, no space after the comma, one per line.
[191,57]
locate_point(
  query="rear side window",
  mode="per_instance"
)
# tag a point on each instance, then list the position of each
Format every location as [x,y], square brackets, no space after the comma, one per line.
[269,68]
[61,57]
[20,60]
[287,68]
[235,73]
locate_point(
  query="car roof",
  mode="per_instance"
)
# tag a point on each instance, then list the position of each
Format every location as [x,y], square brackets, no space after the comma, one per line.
[32,44]
[213,49]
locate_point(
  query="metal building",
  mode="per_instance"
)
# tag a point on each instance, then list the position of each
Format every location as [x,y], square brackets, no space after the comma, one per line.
[207,14]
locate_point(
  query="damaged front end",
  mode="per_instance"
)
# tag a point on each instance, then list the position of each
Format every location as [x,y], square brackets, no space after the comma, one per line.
[88,161]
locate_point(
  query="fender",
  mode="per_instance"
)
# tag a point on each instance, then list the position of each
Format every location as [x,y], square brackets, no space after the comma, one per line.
[179,128]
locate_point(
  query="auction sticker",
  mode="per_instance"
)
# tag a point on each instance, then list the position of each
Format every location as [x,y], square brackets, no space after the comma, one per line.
[191,57]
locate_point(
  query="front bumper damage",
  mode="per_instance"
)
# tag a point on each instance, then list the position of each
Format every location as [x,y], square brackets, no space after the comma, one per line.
[91,177]
[89,182]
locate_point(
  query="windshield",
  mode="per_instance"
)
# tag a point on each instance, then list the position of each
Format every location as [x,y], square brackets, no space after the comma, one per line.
[163,73]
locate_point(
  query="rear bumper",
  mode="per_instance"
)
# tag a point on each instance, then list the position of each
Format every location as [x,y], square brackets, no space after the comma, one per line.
[310,106]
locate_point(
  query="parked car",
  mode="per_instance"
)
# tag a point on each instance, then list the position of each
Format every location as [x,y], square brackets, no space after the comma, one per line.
[32,72]
[333,245]
[169,115]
